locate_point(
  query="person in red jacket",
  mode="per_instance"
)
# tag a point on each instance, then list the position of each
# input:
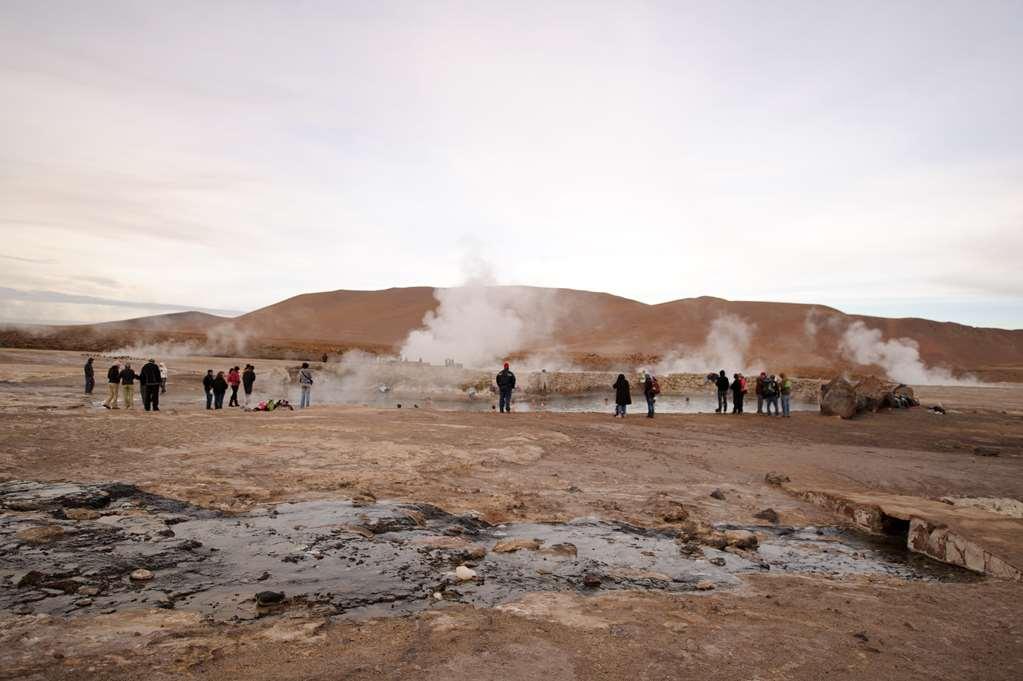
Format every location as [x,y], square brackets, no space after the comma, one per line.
[234,379]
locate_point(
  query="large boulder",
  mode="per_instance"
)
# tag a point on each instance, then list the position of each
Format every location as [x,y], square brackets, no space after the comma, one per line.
[845,399]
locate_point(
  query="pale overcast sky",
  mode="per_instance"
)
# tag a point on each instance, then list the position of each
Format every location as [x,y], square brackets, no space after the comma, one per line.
[226,155]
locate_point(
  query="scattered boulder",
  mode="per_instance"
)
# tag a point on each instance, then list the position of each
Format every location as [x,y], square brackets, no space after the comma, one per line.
[741,539]
[775,478]
[768,514]
[591,580]
[265,598]
[842,398]
[464,574]
[141,575]
[704,585]
[718,494]
[40,535]
[517,544]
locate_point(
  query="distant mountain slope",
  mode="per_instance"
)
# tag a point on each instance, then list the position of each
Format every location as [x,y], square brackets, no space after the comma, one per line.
[583,323]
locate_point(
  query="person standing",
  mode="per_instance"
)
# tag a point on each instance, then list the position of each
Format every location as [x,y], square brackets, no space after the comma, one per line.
[207,387]
[234,379]
[761,380]
[771,394]
[90,377]
[305,383]
[505,385]
[623,395]
[163,377]
[248,379]
[737,389]
[113,381]
[786,395]
[128,385]
[722,385]
[149,381]
[651,389]
[219,388]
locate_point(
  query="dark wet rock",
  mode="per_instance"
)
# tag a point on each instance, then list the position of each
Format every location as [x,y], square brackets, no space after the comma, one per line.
[265,598]
[21,495]
[986,451]
[263,577]
[592,580]
[718,494]
[768,514]
[842,398]
[27,578]
[776,478]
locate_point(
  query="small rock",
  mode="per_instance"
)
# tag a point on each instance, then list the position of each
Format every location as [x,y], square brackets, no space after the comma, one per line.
[775,478]
[768,514]
[88,590]
[565,549]
[27,578]
[517,544]
[591,580]
[741,539]
[263,577]
[720,562]
[269,598]
[464,574]
[704,585]
[40,535]
[83,602]
[986,451]
[862,635]
[718,494]
[80,513]
[141,575]
[438,595]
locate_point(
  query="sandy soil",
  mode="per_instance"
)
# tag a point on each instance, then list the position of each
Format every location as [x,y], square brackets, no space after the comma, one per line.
[542,467]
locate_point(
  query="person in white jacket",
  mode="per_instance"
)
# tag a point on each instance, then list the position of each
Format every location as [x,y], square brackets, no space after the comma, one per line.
[163,377]
[305,382]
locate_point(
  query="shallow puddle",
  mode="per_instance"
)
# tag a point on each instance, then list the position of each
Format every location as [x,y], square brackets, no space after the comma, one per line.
[343,558]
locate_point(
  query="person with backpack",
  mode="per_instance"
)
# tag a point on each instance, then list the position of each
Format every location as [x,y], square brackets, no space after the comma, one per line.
[128,385]
[761,379]
[722,384]
[738,386]
[623,395]
[207,387]
[90,377]
[305,383]
[234,379]
[149,383]
[786,395]
[248,379]
[113,382]
[219,388]
[771,391]
[505,385]
[651,389]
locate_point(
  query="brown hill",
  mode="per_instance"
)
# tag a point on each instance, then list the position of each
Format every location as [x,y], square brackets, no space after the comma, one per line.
[581,324]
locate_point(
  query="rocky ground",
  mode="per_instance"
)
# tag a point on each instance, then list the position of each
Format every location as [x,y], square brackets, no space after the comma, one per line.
[678,569]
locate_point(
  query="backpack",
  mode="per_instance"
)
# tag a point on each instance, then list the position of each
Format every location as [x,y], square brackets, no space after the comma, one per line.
[655,387]
[742,385]
[770,387]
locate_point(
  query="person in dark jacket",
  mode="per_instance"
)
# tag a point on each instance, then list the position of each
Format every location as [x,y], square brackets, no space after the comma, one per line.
[737,389]
[90,377]
[207,387]
[505,386]
[248,379]
[623,395]
[771,391]
[722,386]
[761,380]
[219,388]
[650,392]
[128,385]
[113,381]
[149,382]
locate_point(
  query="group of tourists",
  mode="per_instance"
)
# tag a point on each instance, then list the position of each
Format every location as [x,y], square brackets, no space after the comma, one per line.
[769,390]
[215,387]
[623,393]
[152,381]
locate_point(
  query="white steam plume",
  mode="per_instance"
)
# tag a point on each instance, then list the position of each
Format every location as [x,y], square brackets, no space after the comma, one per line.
[725,347]
[899,357]
[479,324]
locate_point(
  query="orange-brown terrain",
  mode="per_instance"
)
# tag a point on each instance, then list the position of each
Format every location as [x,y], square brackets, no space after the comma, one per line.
[591,329]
